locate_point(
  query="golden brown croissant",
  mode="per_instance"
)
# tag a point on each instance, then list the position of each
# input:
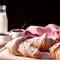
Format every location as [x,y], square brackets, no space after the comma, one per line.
[26,49]
[20,47]
[42,42]
[55,51]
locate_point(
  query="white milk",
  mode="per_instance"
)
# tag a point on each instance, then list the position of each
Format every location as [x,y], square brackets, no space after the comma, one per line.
[3,19]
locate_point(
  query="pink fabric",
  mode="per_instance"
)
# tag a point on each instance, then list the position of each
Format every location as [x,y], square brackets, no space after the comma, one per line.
[52,31]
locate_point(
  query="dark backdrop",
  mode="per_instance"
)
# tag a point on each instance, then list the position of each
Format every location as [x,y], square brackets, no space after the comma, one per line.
[31,13]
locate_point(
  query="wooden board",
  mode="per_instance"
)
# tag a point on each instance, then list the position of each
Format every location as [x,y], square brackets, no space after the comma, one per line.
[5,55]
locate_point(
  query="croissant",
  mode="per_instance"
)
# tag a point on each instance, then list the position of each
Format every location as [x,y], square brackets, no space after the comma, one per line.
[55,51]
[20,47]
[42,42]
[27,50]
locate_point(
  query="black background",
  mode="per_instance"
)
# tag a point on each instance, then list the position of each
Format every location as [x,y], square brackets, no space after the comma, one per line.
[31,13]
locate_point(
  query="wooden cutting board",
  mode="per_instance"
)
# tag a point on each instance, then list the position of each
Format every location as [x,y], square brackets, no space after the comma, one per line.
[5,55]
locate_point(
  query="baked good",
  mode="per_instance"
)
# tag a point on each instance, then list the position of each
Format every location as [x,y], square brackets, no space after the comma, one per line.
[20,47]
[28,50]
[13,45]
[43,43]
[55,51]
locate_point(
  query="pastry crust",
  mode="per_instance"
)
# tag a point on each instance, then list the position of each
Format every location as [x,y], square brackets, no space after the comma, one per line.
[27,50]
[43,43]
[55,51]
[20,47]
[13,45]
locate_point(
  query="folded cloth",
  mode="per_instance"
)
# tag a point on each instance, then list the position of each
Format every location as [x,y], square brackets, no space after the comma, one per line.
[33,31]
[52,31]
